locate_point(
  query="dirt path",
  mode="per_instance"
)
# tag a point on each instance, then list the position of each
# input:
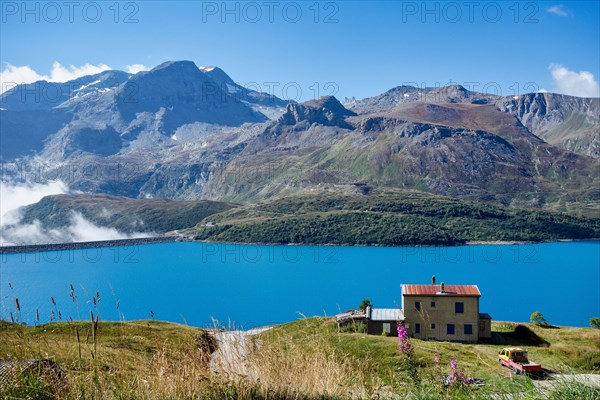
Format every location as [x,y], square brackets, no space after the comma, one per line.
[232,352]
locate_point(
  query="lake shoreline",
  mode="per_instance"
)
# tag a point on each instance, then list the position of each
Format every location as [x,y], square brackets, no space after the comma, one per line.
[168,239]
[454,244]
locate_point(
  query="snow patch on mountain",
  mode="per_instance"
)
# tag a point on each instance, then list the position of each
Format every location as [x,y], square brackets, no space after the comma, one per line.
[88,85]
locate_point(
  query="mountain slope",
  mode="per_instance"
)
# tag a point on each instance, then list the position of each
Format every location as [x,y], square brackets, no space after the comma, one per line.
[572,123]
[468,150]
[32,113]
[261,100]
[125,214]
[569,122]
[43,95]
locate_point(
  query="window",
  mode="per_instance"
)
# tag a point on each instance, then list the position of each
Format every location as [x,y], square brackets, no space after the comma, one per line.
[450,329]
[459,308]
[481,326]
[468,329]
[387,327]
[433,304]
[418,305]
[417,328]
[432,326]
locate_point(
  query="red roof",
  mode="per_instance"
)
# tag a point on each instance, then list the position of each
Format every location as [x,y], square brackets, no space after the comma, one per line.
[432,290]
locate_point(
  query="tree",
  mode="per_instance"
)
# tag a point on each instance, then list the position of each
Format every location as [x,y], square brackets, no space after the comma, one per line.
[595,322]
[538,319]
[365,303]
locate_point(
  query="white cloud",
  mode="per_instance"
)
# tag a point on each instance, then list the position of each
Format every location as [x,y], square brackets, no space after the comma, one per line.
[79,230]
[582,83]
[542,90]
[135,68]
[82,230]
[15,196]
[24,234]
[12,75]
[558,10]
[64,74]
[14,232]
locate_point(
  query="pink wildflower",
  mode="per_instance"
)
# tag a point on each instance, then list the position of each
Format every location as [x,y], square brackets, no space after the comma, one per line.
[454,373]
[453,364]
[403,340]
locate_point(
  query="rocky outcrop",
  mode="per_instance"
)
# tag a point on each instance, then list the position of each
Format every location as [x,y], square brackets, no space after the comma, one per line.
[572,123]
[326,111]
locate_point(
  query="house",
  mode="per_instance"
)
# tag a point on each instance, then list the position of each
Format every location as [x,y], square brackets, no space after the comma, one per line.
[444,312]
[429,312]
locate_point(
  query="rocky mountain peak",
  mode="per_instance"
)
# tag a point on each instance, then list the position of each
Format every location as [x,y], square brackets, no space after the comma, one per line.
[218,75]
[331,104]
[171,76]
[167,82]
[448,94]
[182,66]
[327,111]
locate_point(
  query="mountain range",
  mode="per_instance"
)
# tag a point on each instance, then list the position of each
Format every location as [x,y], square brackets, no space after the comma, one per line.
[183,132]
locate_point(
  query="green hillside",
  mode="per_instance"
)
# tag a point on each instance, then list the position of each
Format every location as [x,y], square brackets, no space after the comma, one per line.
[388,218]
[123,213]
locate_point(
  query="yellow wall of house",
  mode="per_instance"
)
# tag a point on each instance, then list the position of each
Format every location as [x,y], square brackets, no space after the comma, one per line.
[441,315]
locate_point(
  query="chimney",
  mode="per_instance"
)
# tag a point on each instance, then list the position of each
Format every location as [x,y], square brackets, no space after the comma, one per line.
[433,280]
[442,287]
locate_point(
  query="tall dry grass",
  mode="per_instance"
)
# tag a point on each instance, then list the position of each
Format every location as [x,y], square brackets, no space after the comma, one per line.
[309,362]
[116,365]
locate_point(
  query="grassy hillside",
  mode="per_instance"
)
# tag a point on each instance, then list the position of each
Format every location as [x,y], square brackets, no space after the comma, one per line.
[388,218]
[123,213]
[307,359]
[373,363]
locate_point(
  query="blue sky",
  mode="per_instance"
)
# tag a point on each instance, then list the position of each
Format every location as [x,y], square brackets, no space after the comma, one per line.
[349,48]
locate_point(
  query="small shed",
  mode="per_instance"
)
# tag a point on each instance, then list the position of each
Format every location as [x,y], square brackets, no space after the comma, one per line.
[383,321]
[485,326]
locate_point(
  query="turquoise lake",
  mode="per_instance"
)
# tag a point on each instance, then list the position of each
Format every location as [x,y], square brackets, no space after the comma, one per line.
[251,285]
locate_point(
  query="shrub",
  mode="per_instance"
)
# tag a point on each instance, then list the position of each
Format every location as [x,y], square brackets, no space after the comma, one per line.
[364,304]
[538,319]
[354,327]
